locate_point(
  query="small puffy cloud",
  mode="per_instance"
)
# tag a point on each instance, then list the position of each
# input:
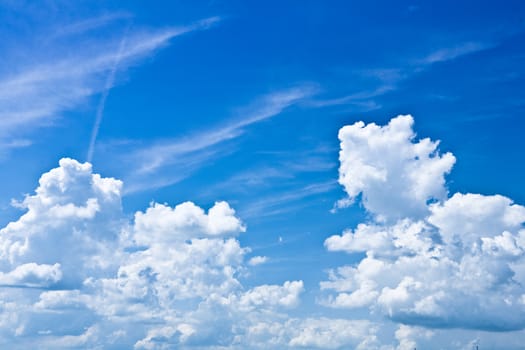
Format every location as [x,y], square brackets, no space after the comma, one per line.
[364,295]
[326,333]
[161,223]
[395,175]
[272,295]
[407,336]
[32,275]
[405,235]
[429,260]
[333,334]
[61,299]
[313,333]
[474,215]
[257,260]
[156,337]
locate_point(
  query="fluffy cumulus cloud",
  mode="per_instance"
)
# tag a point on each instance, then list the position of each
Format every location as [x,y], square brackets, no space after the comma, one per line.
[395,176]
[75,272]
[429,259]
[69,229]
[315,333]
[429,269]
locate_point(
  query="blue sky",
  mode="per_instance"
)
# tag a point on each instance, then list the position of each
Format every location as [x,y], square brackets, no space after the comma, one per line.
[303,174]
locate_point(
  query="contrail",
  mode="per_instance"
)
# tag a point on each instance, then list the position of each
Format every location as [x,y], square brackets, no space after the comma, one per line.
[100,109]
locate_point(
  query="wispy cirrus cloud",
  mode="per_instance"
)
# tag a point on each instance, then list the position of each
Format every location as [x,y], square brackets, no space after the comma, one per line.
[88,24]
[450,53]
[362,101]
[280,171]
[387,79]
[151,158]
[110,80]
[42,88]
[283,202]
[186,154]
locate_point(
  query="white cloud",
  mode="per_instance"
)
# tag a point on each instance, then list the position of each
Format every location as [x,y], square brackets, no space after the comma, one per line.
[71,208]
[395,176]
[334,334]
[450,53]
[32,275]
[407,336]
[257,260]
[80,275]
[362,101]
[474,215]
[312,333]
[161,223]
[286,296]
[405,236]
[431,261]
[172,276]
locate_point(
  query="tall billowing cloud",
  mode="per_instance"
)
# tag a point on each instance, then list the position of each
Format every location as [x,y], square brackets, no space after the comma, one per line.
[70,229]
[431,260]
[75,273]
[395,176]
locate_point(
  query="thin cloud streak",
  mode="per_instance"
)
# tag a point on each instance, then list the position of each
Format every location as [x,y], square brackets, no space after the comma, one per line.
[180,170]
[154,157]
[273,205]
[390,78]
[100,109]
[450,53]
[38,94]
[361,100]
[273,175]
[89,24]
[171,161]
